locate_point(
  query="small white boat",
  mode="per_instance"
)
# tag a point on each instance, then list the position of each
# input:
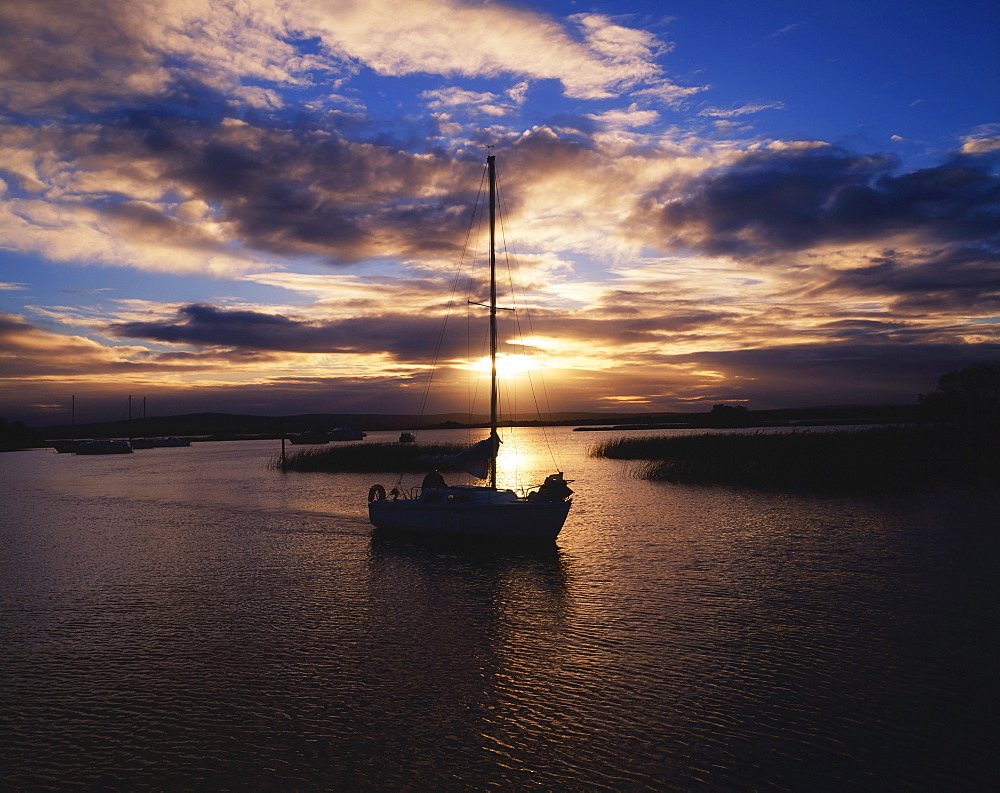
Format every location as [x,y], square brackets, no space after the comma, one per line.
[476,510]
[104,446]
[170,442]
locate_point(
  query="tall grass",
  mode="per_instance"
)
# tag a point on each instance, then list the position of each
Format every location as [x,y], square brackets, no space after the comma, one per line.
[877,459]
[367,458]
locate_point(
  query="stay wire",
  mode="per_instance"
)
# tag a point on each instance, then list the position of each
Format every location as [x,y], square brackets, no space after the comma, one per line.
[508,256]
[451,302]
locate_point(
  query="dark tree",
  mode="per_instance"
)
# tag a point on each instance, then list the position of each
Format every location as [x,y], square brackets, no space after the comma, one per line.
[729,416]
[14,435]
[969,393]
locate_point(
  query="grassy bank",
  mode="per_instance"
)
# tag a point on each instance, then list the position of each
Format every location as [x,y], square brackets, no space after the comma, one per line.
[877,459]
[367,457]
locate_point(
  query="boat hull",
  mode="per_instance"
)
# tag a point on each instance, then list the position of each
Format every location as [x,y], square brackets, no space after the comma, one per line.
[104,447]
[519,519]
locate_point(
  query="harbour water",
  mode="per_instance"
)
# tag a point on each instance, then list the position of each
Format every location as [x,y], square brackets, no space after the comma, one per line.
[189,619]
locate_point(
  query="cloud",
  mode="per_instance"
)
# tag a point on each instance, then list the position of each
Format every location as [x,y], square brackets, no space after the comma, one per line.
[112,196]
[182,139]
[151,50]
[629,118]
[150,166]
[856,374]
[479,102]
[408,337]
[397,37]
[157,47]
[774,201]
[785,30]
[743,110]
[27,352]
[962,281]
[984,140]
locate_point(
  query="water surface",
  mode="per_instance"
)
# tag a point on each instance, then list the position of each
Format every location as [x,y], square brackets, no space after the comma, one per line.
[187,619]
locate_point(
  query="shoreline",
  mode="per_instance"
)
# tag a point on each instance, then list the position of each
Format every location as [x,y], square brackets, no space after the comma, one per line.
[875,459]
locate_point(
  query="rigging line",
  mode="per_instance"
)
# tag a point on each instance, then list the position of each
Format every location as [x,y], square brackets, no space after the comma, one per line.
[472,378]
[450,304]
[502,213]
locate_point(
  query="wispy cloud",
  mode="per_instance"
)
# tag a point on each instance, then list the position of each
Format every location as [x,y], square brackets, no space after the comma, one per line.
[744,110]
[785,30]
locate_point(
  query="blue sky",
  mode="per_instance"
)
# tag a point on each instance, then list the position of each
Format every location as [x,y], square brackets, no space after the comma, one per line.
[256,207]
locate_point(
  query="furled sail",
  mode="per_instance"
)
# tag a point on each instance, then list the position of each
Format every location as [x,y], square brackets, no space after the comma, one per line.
[475,460]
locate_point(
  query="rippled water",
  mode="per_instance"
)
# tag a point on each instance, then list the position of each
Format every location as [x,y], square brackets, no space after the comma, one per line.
[187,619]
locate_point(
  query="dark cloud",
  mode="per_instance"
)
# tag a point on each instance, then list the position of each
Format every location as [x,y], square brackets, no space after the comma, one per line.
[609,328]
[12,326]
[410,338]
[406,337]
[771,202]
[307,192]
[955,280]
[801,375]
[70,57]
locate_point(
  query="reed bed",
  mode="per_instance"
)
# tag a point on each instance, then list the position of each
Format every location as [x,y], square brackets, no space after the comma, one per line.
[876,459]
[368,458]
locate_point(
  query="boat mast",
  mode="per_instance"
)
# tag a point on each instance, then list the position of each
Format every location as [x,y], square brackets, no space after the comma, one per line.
[491,168]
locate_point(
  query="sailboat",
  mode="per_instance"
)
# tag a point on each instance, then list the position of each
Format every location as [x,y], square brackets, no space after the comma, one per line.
[477,510]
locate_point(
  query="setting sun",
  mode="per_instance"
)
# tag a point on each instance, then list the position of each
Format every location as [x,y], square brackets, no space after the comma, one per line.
[508,365]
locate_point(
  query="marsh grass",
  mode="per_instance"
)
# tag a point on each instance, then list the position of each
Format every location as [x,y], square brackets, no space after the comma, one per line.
[367,458]
[876,459]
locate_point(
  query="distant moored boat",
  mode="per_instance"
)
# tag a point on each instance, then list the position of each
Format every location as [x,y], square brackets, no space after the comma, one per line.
[104,446]
[170,442]
[346,434]
[310,437]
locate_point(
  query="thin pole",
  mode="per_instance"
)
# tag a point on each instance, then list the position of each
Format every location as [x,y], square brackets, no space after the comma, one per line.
[281,426]
[491,166]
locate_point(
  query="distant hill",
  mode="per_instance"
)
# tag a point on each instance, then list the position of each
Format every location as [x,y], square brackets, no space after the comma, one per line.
[235,424]
[231,425]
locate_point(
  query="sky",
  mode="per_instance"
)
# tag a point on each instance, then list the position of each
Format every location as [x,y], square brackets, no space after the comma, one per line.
[260,206]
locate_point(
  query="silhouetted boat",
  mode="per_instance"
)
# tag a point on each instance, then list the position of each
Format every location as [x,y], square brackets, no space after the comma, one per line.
[140,443]
[477,510]
[69,446]
[310,437]
[407,437]
[104,446]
